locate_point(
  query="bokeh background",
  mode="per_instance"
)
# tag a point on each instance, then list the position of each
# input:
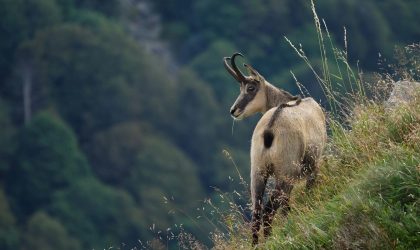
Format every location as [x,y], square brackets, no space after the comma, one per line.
[114,114]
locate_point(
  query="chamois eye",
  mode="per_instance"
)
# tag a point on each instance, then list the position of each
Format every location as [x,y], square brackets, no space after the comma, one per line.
[250,89]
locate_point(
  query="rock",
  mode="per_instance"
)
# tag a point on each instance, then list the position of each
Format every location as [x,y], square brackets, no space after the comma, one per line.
[145,26]
[403,92]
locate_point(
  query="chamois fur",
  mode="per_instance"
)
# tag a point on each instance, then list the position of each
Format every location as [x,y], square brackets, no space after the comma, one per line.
[287,142]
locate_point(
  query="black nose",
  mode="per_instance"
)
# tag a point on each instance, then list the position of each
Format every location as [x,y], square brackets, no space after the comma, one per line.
[232,111]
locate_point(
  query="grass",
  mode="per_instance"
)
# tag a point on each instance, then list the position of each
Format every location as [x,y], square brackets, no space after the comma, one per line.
[367,194]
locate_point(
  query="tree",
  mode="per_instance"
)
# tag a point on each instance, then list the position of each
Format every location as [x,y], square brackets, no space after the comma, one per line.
[367,35]
[98,215]
[209,64]
[12,26]
[110,8]
[48,159]
[44,232]
[20,19]
[97,76]
[113,151]
[196,122]
[405,27]
[9,234]
[7,136]
[40,14]
[164,172]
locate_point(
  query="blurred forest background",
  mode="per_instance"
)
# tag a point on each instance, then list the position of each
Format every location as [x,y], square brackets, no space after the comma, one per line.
[114,114]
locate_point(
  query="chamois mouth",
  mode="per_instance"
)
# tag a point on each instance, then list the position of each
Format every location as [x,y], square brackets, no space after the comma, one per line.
[237,116]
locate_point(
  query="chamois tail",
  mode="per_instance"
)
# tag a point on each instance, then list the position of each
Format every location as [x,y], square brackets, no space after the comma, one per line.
[268,133]
[268,138]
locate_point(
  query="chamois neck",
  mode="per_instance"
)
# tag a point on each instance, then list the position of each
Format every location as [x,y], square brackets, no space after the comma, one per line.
[276,96]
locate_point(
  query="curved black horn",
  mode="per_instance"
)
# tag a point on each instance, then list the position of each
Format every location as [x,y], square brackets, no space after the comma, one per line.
[229,69]
[238,72]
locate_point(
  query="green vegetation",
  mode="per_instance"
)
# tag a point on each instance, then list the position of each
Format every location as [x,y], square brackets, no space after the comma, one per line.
[105,144]
[367,195]
[9,236]
[369,189]
[43,232]
[48,160]
[91,212]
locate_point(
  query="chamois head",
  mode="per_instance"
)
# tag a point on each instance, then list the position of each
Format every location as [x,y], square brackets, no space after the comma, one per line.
[252,97]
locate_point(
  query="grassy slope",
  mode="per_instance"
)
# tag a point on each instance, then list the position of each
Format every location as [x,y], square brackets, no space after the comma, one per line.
[368,192]
[367,195]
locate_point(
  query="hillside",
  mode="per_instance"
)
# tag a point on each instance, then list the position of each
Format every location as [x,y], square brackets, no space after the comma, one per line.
[368,192]
[114,115]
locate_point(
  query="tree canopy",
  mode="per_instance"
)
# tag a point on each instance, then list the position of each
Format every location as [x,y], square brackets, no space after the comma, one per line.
[102,136]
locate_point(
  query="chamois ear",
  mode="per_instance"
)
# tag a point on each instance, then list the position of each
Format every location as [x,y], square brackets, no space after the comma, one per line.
[252,72]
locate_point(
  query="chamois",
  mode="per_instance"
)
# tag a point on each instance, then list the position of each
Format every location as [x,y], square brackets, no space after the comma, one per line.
[287,142]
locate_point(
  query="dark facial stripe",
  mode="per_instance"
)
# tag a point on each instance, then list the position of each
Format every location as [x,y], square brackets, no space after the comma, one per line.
[247,98]
[243,102]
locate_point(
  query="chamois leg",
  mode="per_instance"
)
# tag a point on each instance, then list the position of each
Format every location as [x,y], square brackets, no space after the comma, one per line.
[258,182]
[279,199]
[312,166]
[311,162]
[310,180]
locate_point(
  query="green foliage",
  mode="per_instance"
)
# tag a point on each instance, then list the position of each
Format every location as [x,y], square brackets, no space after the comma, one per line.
[12,23]
[48,160]
[366,34]
[40,14]
[166,200]
[368,192]
[20,19]
[157,133]
[7,143]
[9,234]
[197,108]
[113,152]
[209,62]
[405,27]
[110,8]
[75,48]
[44,232]
[98,215]
[125,83]
[160,161]
[396,191]
[258,27]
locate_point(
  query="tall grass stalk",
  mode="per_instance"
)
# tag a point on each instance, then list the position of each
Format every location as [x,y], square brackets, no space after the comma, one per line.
[332,82]
[368,190]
